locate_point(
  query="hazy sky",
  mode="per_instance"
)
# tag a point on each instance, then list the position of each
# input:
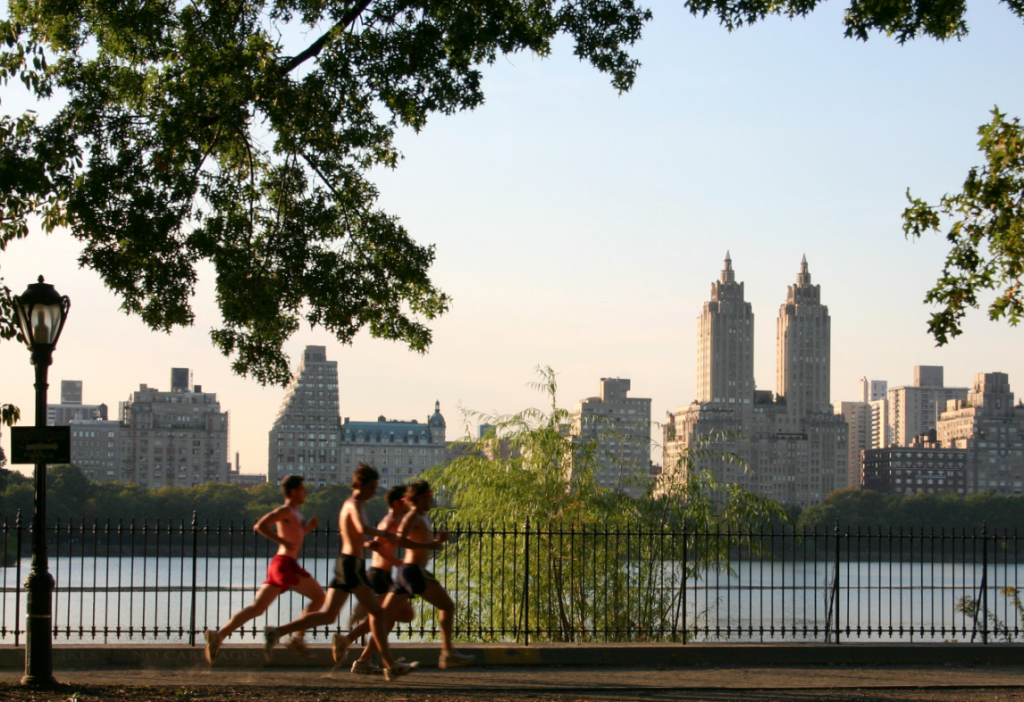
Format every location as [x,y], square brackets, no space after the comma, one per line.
[581,229]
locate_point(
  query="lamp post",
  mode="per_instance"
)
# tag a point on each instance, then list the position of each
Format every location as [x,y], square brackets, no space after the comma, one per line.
[42,312]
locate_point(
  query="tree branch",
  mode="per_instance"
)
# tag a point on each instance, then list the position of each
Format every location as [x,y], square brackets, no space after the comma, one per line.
[334,190]
[317,46]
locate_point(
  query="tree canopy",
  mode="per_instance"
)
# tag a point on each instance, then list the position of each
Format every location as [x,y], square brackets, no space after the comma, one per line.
[205,131]
[986,233]
[242,133]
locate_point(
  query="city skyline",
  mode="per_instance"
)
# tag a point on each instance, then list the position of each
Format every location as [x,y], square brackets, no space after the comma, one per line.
[579,229]
[252,464]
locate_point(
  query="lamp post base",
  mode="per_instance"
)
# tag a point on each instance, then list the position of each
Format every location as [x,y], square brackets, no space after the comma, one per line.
[38,632]
[39,681]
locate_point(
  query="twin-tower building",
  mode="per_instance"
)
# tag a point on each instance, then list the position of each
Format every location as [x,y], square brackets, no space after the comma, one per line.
[792,446]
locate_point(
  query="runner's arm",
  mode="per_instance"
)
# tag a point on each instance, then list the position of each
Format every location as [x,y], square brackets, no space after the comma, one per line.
[380,533]
[262,527]
[402,539]
[405,542]
[360,531]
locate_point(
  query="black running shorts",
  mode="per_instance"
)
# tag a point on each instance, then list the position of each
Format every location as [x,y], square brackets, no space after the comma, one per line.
[380,580]
[412,580]
[349,572]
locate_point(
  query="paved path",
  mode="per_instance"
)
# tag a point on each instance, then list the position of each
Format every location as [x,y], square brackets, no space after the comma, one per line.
[569,680]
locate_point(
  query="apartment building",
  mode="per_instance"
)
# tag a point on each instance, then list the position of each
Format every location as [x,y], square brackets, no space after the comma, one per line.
[619,426]
[177,437]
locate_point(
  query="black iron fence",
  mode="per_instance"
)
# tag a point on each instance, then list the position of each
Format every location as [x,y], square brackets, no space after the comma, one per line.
[167,582]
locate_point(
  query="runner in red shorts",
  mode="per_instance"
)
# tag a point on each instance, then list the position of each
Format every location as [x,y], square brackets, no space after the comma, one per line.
[283,573]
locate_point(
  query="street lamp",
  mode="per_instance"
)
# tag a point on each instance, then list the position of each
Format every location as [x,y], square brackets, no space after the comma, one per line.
[42,312]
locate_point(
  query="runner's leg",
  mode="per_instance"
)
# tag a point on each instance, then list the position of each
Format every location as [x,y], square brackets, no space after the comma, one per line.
[327,615]
[358,615]
[436,595]
[378,623]
[264,597]
[359,623]
[393,603]
[309,587]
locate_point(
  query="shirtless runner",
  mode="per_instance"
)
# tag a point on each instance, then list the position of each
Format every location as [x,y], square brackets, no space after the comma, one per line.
[283,572]
[379,574]
[416,535]
[350,577]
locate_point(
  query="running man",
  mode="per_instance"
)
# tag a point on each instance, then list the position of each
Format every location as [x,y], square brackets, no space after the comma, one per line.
[384,557]
[283,572]
[416,536]
[379,575]
[350,577]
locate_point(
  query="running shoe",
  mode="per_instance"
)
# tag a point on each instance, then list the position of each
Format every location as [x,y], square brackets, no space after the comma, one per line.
[270,639]
[454,659]
[212,645]
[399,670]
[297,645]
[339,647]
[366,668]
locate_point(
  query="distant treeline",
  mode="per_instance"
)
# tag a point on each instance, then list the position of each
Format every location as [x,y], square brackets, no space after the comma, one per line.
[865,509]
[72,496]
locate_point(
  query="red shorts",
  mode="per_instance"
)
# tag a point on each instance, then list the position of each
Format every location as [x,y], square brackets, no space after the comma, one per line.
[285,572]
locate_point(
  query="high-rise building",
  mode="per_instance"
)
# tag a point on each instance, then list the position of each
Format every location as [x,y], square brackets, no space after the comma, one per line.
[620,427]
[804,348]
[304,438]
[914,409]
[725,343]
[310,439]
[173,438]
[792,447]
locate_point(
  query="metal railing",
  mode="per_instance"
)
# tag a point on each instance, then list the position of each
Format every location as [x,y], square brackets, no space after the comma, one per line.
[166,582]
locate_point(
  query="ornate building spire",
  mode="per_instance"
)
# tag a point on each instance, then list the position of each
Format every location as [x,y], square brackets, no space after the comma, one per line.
[728,275]
[804,276]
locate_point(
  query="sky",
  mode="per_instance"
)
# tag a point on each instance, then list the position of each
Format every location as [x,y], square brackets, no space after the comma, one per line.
[581,229]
